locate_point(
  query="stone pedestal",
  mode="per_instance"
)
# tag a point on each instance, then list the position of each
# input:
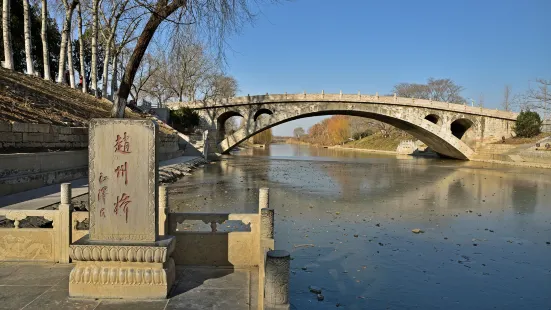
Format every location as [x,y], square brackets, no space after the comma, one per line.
[123,256]
[137,271]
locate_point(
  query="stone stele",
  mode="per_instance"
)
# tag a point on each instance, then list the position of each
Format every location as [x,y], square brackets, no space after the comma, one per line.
[123,256]
[123,180]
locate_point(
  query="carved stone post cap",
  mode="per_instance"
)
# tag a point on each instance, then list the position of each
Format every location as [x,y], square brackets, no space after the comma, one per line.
[279,254]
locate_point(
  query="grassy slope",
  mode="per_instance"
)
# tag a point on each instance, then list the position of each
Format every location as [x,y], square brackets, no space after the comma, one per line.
[27,99]
[518,140]
[378,142]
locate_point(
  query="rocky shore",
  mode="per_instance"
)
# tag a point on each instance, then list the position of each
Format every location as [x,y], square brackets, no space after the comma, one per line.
[171,173]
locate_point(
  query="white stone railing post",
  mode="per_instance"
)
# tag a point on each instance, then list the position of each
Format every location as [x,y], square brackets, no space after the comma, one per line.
[206,144]
[65,226]
[163,206]
[276,293]
[267,223]
[264,198]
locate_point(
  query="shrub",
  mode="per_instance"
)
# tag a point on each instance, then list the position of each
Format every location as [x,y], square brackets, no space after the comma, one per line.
[528,124]
[184,117]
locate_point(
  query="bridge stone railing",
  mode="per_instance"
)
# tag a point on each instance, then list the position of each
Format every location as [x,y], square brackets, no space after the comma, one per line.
[390,100]
[251,245]
[49,244]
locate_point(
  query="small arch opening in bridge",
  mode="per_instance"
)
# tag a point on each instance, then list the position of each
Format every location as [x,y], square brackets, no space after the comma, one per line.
[228,122]
[433,118]
[261,112]
[460,126]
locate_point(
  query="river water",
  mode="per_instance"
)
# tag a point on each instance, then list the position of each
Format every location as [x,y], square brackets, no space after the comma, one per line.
[347,217]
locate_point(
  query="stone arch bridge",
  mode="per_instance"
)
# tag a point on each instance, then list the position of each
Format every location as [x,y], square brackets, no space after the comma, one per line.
[452,130]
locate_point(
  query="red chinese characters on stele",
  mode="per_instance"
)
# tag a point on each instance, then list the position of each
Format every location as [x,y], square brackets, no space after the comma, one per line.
[122,171]
[122,146]
[102,192]
[121,206]
[122,203]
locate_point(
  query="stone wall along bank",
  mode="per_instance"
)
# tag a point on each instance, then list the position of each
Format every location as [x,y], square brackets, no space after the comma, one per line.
[37,155]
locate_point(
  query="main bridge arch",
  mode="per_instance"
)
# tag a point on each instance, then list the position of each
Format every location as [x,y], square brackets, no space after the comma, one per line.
[452,130]
[432,135]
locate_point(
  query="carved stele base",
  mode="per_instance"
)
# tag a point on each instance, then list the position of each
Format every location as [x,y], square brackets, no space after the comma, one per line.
[137,271]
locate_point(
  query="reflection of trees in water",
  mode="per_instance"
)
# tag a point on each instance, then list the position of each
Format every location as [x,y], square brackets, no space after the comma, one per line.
[524,196]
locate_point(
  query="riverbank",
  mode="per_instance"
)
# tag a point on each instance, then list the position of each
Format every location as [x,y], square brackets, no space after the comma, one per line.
[514,163]
[361,150]
[527,164]
[376,142]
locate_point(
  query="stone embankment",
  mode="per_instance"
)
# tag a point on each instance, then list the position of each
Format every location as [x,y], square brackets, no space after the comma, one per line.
[534,155]
[37,155]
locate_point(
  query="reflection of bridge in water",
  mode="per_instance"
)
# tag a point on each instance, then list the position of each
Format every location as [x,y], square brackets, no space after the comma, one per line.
[452,130]
[436,189]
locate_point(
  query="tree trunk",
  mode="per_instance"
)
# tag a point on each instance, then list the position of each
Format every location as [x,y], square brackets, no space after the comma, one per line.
[106,59]
[44,37]
[81,50]
[94,74]
[162,11]
[114,76]
[64,38]
[8,50]
[28,47]
[70,60]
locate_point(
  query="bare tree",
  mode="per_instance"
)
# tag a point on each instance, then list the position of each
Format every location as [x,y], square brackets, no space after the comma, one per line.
[359,126]
[162,10]
[156,85]
[538,98]
[95,22]
[217,17]
[71,64]
[184,67]
[44,38]
[412,90]
[298,132]
[217,86]
[436,89]
[128,28]
[8,50]
[506,98]
[116,9]
[385,129]
[82,72]
[232,125]
[115,63]
[146,71]
[69,9]
[445,90]
[27,32]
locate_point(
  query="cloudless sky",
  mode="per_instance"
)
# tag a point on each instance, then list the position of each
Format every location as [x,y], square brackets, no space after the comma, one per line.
[369,46]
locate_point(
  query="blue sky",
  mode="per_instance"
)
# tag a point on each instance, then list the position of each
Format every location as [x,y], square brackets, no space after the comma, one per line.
[368,46]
